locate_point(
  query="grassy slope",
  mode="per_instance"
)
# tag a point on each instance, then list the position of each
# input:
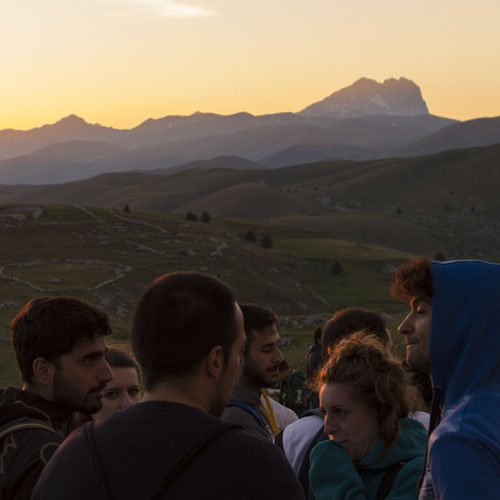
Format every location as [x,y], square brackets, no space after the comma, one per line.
[71,251]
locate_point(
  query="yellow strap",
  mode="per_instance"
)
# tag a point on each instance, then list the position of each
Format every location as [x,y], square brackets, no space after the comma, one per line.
[267,408]
[25,426]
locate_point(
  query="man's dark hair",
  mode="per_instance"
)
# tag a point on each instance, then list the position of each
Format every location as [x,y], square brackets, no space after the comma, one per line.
[317,334]
[177,320]
[49,327]
[257,318]
[412,280]
[349,320]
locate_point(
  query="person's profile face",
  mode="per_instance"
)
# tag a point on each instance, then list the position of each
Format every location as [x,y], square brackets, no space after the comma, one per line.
[81,375]
[416,329]
[232,369]
[263,357]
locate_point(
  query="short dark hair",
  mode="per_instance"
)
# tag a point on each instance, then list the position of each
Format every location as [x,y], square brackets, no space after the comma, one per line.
[49,327]
[412,279]
[177,320]
[257,318]
[349,320]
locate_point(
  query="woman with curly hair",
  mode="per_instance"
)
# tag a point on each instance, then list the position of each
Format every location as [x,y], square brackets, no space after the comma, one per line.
[375,451]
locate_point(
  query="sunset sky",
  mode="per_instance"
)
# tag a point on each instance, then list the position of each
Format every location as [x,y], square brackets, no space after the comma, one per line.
[119,62]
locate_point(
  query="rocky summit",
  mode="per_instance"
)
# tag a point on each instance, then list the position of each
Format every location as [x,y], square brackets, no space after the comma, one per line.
[369,97]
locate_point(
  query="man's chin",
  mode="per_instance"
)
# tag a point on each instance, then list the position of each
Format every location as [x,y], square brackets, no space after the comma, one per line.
[90,407]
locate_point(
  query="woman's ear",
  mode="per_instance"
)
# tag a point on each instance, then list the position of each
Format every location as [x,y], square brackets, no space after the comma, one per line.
[216,362]
[43,371]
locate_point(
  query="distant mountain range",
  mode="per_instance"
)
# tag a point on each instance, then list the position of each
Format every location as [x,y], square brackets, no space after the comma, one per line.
[364,121]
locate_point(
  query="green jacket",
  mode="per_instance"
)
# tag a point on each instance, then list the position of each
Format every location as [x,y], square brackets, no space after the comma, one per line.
[334,476]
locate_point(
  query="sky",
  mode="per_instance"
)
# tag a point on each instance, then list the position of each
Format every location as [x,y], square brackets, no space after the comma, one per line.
[120,62]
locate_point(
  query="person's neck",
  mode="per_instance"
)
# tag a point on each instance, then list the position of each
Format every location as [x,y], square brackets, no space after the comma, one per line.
[250,385]
[178,392]
[37,391]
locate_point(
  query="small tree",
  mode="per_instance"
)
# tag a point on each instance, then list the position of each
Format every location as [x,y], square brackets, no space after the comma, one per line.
[126,209]
[266,241]
[205,216]
[250,236]
[336,268]
[191,216]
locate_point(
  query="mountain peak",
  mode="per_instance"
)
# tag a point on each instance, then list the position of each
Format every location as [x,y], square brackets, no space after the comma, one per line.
[369,97]
[70,122]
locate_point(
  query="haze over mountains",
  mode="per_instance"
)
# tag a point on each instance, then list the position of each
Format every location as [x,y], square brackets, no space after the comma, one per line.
[366,120]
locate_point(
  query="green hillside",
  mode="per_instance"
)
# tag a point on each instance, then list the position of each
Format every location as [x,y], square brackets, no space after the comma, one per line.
[108,257]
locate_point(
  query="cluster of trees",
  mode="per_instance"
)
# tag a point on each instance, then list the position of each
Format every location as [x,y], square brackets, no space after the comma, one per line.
[204,217]
[265,242]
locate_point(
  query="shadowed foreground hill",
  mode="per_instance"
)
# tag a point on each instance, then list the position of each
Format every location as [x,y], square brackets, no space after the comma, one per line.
[452,197]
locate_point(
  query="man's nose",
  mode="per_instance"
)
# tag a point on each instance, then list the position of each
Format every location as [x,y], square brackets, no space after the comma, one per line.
[406,326]
[278,357]
[106,373]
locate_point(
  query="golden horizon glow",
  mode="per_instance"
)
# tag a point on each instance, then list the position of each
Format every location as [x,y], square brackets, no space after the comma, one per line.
[120,62]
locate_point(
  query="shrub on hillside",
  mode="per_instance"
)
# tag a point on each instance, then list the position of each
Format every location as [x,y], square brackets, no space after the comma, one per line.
[205,217]
[126,209]
[266,241]
[191,216]
[336,268]
[250,236]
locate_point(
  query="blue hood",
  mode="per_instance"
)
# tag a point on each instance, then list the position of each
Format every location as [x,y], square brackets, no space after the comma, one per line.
[465,331]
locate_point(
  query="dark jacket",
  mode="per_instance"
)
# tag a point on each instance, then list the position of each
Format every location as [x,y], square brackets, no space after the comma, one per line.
[464,449]
[139,444]
[259,426]
[40,426]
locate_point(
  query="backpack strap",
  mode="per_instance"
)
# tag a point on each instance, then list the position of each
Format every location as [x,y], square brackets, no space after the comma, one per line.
[189,456]
[305,466]
[258,417]
[88,435]
[23,424]
[388,480]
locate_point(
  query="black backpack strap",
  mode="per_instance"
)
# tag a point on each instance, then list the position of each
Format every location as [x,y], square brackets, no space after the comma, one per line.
[88,435]
[189,456]
[388,480]
[278,441]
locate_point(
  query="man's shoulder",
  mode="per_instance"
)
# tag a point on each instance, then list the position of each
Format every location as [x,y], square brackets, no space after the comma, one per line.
[472,417]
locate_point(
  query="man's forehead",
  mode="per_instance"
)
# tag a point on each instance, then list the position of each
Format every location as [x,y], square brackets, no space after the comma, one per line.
[418,299]
[97,343]
[268,334]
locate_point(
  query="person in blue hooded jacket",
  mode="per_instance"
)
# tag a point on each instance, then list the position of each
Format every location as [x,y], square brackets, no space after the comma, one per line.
[374,451]
[453,333]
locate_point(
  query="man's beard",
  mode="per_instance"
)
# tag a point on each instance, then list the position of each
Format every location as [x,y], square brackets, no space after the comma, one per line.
[73,398]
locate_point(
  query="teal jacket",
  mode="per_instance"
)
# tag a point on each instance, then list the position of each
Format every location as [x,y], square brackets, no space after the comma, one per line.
[334,476]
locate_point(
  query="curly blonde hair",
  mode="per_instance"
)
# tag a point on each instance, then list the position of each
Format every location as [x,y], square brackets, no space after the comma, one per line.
[377,379]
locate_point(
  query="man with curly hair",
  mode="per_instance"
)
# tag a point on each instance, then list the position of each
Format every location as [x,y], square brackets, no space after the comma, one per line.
[453,332]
